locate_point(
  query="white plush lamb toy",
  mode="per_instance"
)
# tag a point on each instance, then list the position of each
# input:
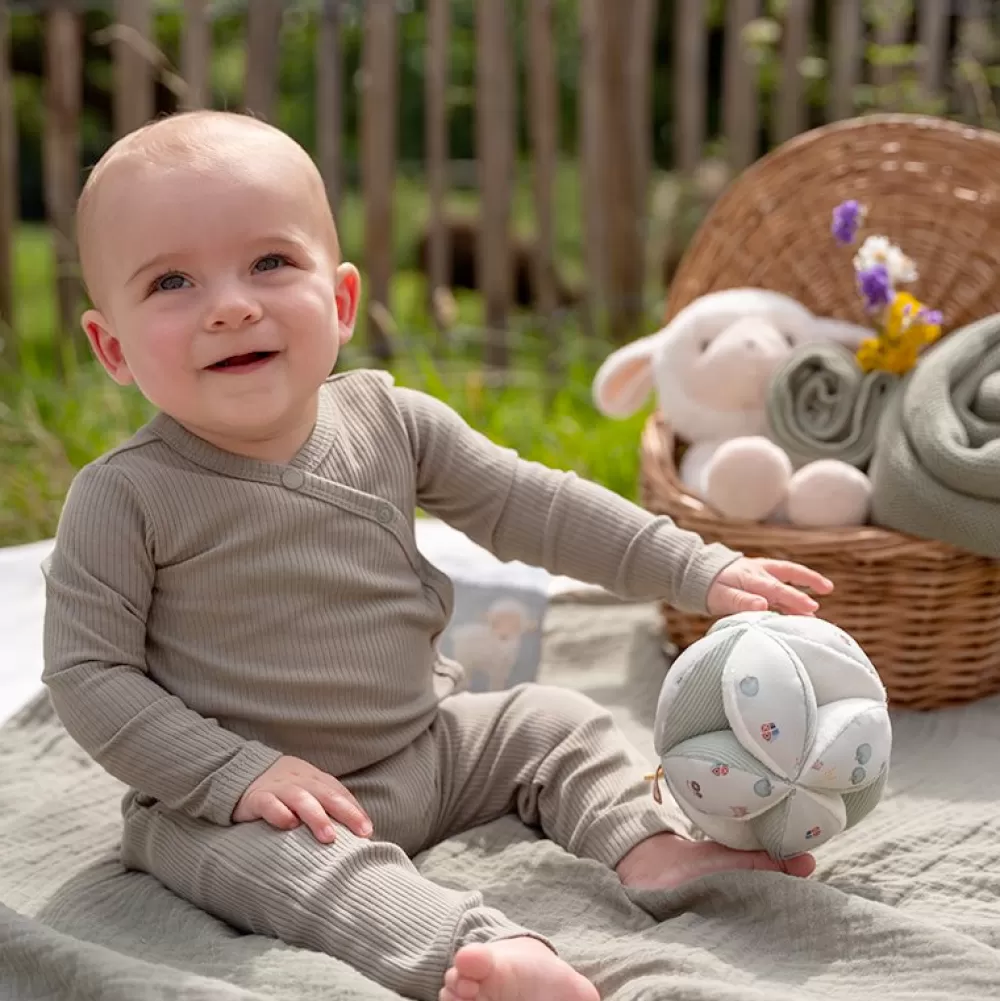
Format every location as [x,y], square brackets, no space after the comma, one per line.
[773,733]
[711,367]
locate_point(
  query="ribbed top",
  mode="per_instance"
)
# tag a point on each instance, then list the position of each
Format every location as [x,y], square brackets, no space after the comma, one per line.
[208,612]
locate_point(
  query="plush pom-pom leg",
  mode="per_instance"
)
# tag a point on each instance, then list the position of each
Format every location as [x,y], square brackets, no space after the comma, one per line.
[828,494]
[747,478]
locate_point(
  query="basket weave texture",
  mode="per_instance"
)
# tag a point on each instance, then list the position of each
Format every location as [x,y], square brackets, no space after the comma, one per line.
[926,613]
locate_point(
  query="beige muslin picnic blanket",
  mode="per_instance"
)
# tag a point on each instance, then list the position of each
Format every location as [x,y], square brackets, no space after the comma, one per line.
[936,468]
[821,405]
[905,907]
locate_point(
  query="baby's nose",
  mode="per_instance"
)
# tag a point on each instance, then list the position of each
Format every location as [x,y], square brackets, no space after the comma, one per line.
[231,318]
[234,312]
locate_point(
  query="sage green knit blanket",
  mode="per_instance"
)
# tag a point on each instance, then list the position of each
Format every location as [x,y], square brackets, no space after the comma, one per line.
[936,468]
[821,405]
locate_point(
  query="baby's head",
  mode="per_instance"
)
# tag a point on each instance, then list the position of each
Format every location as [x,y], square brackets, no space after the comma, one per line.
[211,257]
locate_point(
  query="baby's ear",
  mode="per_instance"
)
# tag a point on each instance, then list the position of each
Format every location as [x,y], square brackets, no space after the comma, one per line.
[348,298]
[625,380]
[106,347]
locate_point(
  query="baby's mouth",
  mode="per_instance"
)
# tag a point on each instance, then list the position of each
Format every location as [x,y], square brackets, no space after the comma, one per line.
[244,362]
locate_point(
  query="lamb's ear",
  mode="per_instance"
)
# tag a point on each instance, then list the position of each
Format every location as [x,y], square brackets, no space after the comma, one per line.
[850,335]
[625,380]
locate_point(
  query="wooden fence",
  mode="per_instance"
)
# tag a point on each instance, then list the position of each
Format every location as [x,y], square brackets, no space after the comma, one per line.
[615,120]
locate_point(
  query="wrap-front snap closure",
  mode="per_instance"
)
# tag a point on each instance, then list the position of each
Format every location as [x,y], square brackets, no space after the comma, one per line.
[385,514]
[293,479]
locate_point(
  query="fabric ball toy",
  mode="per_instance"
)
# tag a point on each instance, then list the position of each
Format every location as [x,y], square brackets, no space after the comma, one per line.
[773,733]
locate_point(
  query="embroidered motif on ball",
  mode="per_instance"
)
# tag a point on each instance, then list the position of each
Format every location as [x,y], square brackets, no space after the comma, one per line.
[750,686]
[720,770]
[770,731]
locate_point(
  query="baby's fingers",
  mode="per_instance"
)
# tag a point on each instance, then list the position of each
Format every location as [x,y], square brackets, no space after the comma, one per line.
[307,808]
[310,812]
[267,807]
[343,807]
[731,600]
[787,599]
[800,576]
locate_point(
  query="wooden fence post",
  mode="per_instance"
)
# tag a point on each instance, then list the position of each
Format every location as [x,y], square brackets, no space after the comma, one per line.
[329,101]
[61,154]
[690,83]
[543,123]
[740,111]
[196,55]
[975,98]
[846,44]
[791,117]
[543,113]
[623,203]
[379,107]
[640,55]
[133,36]
[264,19]
[932,27]
[8,192]
[591,140]
[495,153]
[438,59]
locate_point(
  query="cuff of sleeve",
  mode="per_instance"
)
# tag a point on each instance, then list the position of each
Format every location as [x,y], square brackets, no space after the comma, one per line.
[700,574]
[232,780]
[672,564]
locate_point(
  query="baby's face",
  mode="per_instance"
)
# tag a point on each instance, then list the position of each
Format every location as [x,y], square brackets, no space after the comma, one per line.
[221,294]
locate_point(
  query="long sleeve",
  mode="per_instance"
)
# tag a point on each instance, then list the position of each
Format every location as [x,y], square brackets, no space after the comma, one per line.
[522,510]
[99,587]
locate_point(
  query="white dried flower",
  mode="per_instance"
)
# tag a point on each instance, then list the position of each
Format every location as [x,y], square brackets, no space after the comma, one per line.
[878,250]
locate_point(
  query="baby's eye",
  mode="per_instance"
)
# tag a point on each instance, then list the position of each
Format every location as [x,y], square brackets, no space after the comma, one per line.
[271,262]
[169,283]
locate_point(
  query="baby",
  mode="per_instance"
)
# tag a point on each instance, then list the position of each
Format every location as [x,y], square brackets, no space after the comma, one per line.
[241,628]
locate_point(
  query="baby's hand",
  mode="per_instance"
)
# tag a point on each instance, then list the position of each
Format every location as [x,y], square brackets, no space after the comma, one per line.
[754,585]
[292,791]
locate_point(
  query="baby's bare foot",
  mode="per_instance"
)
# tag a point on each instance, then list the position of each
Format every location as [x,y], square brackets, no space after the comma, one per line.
[514,969]
[666,861]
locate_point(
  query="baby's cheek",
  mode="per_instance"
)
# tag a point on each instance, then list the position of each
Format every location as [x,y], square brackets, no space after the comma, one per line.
[161,357]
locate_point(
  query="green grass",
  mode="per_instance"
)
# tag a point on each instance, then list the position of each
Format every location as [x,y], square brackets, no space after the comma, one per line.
[52,424]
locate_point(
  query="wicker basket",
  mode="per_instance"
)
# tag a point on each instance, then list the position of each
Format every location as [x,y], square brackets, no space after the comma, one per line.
[927,613]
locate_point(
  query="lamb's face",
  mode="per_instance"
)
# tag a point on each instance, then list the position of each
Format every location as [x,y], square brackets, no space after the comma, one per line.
[729,362]
[508,620]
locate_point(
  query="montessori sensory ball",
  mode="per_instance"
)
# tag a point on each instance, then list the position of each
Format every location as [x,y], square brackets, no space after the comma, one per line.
[773,733]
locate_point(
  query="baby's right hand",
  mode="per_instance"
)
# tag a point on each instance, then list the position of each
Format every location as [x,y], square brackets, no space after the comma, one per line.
[292,791]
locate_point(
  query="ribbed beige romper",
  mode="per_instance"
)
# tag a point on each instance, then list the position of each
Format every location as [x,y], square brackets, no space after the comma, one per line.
[208,613]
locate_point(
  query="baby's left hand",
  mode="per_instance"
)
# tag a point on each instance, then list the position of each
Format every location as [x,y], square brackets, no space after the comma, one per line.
[755,585]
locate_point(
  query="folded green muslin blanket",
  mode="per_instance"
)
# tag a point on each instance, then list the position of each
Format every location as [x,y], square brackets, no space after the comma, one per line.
[821,405]
[936,468]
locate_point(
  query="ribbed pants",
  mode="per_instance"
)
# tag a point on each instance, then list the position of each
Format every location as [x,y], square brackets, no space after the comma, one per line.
[550,754]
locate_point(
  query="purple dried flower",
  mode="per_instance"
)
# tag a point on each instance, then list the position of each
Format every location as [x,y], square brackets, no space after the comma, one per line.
[930,317]
[847,217]
[875,287]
